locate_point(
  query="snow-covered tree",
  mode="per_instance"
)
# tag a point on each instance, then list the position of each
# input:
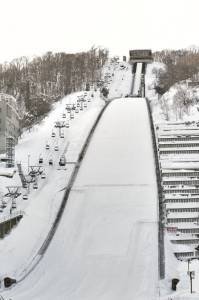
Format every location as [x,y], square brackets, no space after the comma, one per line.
[182,101]
[165,107]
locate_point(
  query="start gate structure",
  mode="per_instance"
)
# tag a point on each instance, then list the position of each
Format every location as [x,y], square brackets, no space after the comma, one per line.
[139,60]
[141,56]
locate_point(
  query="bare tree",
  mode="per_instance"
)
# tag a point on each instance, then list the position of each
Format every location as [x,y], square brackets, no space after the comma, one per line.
[182,101]
[165,107]
[45,79]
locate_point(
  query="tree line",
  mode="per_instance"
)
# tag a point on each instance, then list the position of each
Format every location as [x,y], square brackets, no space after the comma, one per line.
[39,82]
[179,65]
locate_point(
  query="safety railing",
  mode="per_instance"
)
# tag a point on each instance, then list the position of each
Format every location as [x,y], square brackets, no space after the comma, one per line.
[160,196]
[11,216]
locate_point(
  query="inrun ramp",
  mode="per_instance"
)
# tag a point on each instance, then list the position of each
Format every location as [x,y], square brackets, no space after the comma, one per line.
[106,245]
[137,80]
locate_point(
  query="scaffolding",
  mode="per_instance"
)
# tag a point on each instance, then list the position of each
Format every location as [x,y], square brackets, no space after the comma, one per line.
[10,152]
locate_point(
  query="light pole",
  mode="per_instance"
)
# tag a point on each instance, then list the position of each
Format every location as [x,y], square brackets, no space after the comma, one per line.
[189,261]
[192,276]
[28,162]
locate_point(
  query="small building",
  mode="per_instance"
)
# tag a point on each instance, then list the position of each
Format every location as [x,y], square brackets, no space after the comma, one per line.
[141,56]
[9,120]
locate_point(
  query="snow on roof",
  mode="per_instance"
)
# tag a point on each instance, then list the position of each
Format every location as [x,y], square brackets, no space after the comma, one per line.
[180,158]
[171,144]
[182,205]
[179,149]
[8,172]
[180,164]
[179,197]
[187,225]
[177,125]
[184,236]
[180,187]
[180,126]
[179,179]
[176,215]
[179,170]
[180,134]
[183,248]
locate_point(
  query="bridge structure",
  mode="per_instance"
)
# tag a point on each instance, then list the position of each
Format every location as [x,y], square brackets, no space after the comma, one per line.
[106,240]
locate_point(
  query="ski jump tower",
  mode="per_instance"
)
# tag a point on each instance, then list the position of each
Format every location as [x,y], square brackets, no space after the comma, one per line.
[139,59]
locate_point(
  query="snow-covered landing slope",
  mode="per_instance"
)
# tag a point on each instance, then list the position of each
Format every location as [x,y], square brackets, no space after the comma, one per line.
[19,248]
[106,245]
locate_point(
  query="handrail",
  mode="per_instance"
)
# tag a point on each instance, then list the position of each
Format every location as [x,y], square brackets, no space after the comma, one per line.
[160,196]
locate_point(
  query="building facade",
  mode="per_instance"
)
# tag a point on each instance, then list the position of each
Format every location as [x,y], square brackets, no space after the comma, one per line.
[9,120]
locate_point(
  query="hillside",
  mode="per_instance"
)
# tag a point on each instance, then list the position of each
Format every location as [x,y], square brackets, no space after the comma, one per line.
[40,209]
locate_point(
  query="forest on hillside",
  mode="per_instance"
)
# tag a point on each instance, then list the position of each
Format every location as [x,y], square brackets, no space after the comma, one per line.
[39,82]
[179,65]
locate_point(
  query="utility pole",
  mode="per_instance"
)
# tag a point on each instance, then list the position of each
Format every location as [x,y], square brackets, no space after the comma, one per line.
[28,162]
[60,125]
[188,261]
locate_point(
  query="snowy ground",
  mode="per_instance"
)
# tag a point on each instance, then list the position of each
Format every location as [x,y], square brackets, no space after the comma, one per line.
[163,110]
[119,79]
[106,246]
[182,162]
[93,253]
[42,205]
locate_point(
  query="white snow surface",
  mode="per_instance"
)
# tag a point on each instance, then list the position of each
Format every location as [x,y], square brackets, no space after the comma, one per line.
[120,83]
[106,245]
[18,249]
[137,80]
[9,172]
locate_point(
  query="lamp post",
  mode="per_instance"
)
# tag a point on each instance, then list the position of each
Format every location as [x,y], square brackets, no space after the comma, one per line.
[192,276]
[28,162]
[188,261]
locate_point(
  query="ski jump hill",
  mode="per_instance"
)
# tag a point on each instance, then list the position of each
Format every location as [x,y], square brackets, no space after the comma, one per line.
[106,243]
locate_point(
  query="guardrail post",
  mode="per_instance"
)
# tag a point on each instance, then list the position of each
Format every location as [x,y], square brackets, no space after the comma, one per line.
[160,196]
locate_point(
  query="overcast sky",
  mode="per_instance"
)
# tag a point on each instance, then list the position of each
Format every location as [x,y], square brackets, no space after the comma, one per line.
[32,27]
